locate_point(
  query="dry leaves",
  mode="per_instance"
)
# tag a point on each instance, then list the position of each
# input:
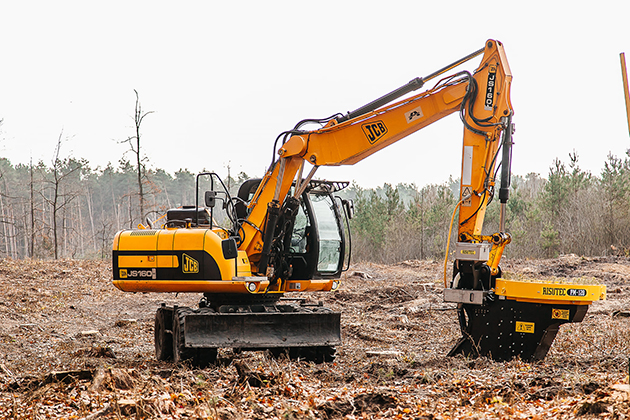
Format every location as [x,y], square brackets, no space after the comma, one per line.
[396,332]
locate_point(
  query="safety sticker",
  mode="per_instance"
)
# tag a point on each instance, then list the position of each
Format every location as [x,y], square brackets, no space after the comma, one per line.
[560,314]
[414,114]
[466,195]
[525,327]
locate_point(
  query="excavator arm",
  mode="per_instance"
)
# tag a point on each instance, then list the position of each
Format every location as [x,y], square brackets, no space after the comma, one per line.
[483,100]
[499,318]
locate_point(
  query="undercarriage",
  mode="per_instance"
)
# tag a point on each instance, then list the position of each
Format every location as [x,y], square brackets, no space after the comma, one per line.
[282,326]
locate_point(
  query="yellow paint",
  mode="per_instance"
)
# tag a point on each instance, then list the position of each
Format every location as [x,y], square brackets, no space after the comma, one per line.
[562,293]
[167,261]
[135,261]
[184,286]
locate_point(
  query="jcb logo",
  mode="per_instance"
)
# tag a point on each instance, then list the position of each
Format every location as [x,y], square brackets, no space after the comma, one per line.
[374,131]
[189,264]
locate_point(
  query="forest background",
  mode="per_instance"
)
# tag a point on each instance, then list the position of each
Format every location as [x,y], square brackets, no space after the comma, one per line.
[67,209]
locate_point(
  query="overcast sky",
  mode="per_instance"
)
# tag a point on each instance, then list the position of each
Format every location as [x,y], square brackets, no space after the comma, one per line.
[225,78]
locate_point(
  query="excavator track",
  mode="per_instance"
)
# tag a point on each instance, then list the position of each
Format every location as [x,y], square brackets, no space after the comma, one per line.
[182,350]
[307,332]
[163,333]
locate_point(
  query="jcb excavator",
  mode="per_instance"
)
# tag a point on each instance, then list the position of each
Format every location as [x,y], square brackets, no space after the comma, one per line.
[285,233]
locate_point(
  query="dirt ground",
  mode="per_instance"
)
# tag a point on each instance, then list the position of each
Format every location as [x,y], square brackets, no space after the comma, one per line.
[73,346]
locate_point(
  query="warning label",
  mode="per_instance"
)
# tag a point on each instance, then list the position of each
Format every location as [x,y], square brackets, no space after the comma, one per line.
[525,327]
[560,314]
[466,195]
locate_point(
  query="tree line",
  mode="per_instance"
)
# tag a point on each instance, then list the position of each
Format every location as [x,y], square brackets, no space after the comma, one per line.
[569,211]
[66,209]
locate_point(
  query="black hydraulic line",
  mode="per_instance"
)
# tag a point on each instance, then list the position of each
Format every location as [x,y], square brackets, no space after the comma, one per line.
[316,121]
[275,143]
[414,84]
[506,164]
[466,108]
[273,213]
[485,194]
[455,64]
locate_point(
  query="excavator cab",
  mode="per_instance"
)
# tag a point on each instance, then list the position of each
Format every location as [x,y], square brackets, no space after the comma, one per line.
[319,247]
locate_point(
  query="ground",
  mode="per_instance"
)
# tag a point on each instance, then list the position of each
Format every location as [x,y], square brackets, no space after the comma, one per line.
[73,346]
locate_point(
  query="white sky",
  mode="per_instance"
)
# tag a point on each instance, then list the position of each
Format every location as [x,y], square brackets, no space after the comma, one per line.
[225,78]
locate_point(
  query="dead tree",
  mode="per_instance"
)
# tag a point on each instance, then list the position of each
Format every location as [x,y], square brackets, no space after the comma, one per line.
[134,144]
[58,198]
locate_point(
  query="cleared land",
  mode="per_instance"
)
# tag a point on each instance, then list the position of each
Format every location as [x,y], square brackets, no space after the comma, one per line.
[73,346]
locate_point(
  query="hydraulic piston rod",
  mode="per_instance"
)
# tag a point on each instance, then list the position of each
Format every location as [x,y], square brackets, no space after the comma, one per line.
[414,84]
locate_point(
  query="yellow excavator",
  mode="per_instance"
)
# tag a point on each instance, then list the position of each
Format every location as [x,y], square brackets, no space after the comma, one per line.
[287,232]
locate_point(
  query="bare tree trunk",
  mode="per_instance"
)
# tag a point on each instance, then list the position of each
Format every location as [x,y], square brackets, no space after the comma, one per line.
[54,220]
[81,232]
[140,191]
[130,214]
[64,225]
[138,117]
[421,205]
[117,208]
[115,205]
[88,200]
[32,192]
[168,200]
[13,233]
[25,239]
[4,227]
